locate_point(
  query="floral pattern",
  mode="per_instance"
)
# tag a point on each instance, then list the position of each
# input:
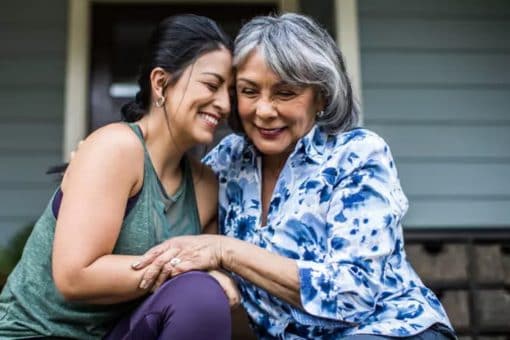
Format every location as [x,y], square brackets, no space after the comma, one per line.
[336,209]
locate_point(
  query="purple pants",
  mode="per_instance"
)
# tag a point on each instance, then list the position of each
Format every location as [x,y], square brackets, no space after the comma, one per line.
[189,306]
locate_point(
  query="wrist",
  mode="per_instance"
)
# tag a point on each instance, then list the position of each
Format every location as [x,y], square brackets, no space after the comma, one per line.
[227,253]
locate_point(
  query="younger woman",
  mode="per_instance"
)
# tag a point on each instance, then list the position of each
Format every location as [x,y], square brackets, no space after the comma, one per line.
[129,188]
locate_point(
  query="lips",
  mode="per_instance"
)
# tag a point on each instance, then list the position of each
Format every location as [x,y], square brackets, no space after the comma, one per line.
[210,119]
[270,133]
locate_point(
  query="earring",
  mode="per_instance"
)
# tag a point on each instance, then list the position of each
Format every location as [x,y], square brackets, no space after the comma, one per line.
[160,101]
[320,114]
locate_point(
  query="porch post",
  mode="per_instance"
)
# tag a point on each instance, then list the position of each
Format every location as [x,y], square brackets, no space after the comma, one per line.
[347,32]
[77,68]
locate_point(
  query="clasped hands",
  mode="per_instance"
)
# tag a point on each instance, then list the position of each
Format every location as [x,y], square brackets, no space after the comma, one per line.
[182,254]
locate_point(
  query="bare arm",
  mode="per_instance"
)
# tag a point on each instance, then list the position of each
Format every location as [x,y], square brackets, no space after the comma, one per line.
[96,186]
[274,273]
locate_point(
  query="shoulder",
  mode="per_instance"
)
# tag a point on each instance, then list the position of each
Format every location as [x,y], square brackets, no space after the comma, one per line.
[115,145]
[113,150]
[361,139]
[359,146]
[348,152]
[118,137]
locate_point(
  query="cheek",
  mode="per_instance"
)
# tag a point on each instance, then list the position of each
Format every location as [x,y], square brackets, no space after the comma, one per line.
[244,108]
[305,113]
[306,123]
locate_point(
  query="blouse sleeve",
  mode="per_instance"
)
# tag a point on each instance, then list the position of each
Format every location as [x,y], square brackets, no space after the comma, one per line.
[219,158]
[211,159]
[363,225]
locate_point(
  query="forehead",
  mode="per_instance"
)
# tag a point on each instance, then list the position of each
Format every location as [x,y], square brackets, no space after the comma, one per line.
[255,68]
[217,62]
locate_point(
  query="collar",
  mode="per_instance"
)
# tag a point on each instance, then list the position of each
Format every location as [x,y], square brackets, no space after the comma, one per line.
[313,144]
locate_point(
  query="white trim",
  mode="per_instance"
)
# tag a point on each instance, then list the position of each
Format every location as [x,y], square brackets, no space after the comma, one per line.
[76,94]
[347,33]
[77,70]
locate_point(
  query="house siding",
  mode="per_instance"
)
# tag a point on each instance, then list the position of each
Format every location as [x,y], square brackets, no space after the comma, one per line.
[436,78]
[32,73]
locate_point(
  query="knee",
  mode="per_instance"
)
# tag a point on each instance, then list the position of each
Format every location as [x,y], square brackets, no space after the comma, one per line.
[197,308]
[199,293]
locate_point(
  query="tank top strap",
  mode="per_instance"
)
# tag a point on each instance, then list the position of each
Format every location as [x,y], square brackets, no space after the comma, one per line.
[138,132]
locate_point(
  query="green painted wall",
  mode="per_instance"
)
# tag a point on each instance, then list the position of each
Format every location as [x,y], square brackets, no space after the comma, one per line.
[32,71]
[436,85]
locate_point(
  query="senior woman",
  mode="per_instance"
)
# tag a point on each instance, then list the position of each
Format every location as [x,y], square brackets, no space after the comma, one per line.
[310,206]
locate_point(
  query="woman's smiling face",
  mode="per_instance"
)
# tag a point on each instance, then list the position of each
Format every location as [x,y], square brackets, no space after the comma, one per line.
[274,114]
[200,98]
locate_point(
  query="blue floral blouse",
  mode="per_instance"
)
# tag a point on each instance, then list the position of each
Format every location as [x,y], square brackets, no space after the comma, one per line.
[336,209]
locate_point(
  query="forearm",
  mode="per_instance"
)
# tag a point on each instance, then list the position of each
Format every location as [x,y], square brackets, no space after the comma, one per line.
[274,273]
[109,279]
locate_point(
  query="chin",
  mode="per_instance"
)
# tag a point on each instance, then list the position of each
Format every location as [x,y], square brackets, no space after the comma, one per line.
[270,151]
[204,138]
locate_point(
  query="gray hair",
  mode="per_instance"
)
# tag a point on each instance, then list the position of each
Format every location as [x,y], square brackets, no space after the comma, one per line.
[302,53]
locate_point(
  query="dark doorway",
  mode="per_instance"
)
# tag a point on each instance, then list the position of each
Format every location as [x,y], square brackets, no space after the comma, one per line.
[119,34]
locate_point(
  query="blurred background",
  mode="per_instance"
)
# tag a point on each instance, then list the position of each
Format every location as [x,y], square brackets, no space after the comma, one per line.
[432,77]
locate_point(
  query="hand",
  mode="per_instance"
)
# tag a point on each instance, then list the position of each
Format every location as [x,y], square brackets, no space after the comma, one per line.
[178,255]
[73,153]
[158,264]
[229,287]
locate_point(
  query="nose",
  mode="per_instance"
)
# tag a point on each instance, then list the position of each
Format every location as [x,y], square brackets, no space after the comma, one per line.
[265,108]
[222,100]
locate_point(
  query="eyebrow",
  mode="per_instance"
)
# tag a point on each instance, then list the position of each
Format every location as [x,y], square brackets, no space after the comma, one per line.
[248,81]
[220,78]
[276,85]
[282,83]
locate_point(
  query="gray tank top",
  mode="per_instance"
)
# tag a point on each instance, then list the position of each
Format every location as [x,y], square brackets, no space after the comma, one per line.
[30,304]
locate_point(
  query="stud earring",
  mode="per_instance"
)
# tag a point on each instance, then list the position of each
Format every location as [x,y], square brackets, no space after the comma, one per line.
[320,114]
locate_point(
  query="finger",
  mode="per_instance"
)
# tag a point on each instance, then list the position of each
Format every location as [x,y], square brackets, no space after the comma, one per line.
[236,299]
[232,293]
[148,257]
[166,270]
[182,267]
[164,275]
[233,300]
[229,287]
[154,270]
[149,277]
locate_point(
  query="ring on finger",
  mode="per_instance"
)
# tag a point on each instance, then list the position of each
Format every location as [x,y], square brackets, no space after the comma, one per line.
[175,261]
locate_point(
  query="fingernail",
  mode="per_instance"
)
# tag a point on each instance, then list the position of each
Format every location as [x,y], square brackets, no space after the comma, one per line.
[143,284]
[135,265]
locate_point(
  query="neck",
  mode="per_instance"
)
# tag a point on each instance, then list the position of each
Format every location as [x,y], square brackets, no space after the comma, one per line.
[273,164]
[166,149]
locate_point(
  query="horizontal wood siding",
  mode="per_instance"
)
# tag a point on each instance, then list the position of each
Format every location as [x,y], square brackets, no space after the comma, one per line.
[436,85]
[32,74]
